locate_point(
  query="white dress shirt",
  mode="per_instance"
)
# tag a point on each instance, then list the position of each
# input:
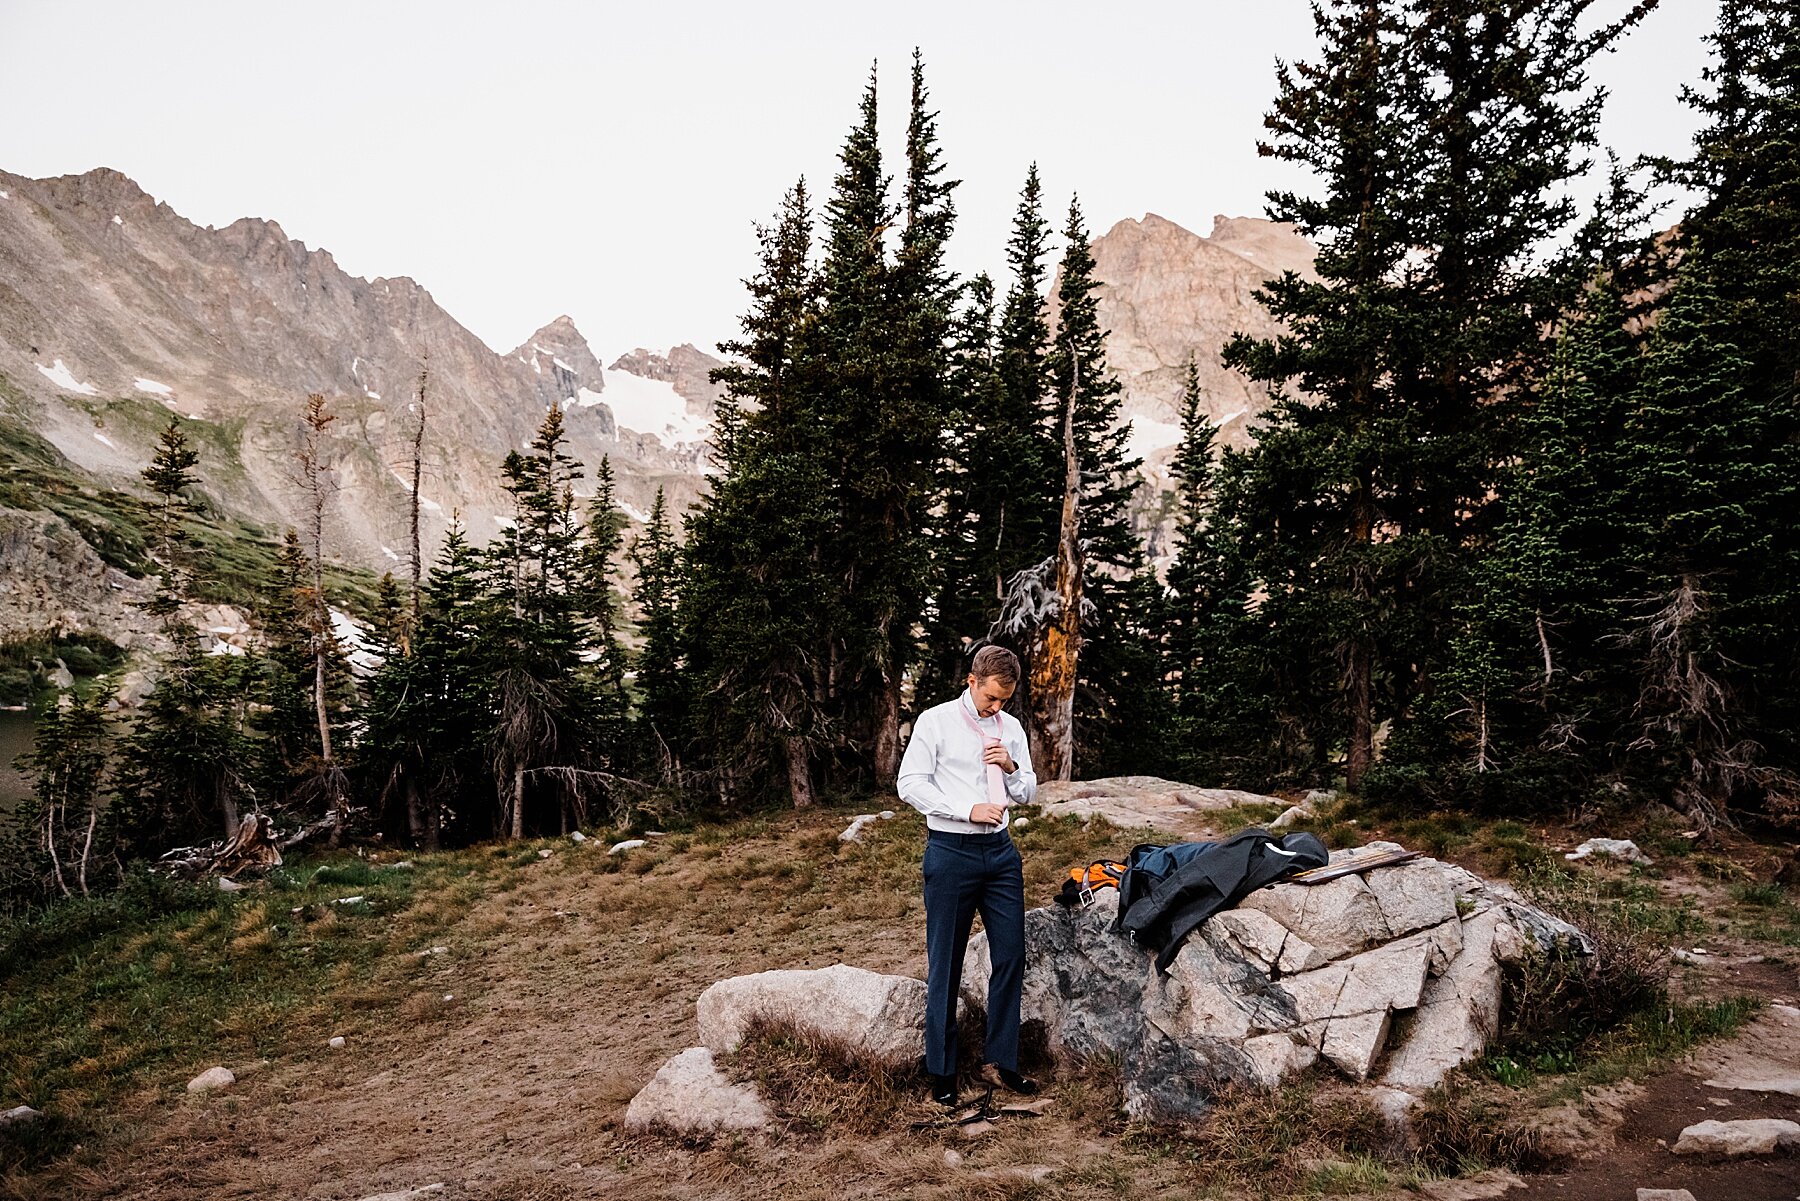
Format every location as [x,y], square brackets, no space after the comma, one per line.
[943,775]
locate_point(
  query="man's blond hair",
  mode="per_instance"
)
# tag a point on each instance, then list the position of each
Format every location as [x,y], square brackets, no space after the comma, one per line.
[996,663]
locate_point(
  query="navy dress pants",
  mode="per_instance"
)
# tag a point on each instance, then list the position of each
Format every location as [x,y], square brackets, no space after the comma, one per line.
[966,874]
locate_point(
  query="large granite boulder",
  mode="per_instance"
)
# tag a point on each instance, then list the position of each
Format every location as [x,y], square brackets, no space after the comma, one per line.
[1394,975]
[882,1017]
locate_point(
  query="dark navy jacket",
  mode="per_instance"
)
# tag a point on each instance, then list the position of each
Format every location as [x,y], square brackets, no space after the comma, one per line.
[1160,910]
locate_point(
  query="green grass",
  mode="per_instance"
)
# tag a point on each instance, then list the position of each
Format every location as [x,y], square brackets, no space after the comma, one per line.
[147,986]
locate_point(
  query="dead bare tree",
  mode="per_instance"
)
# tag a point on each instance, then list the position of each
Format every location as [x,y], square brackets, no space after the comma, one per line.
[328,780]
[1682,708]
[418,473]
[1056,649]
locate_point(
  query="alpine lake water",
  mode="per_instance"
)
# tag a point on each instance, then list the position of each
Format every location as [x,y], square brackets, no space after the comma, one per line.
[17,730]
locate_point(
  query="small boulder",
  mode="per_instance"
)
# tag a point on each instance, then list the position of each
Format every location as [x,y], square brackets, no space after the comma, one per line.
[867,1012]
[1664,1194]
[578,836]
[336,1042]
[226,885]
[1291,815]
[630,844]
[19,1115]
[689,1095]
[1746,1136]
[211,1078]
[1617,848]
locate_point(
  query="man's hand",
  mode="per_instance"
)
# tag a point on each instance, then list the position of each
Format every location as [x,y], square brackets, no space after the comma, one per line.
[996,753]
[986,814]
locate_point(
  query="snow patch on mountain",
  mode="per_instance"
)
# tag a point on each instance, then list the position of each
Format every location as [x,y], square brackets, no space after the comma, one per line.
[652,406]
[356,645]
[152,387]
[1148,435]
[65,379]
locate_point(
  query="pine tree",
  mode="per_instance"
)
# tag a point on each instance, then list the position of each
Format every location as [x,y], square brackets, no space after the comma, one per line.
[1191,587]
[453,705]
[757,598]
[1002,483]
[659,668]
[170,477]
[1443,135]
[600,602]
[547,708]
[884,334]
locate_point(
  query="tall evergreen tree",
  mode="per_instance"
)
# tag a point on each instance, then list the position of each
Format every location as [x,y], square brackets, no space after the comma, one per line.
[659,669]
[757,599]
[170,477]
[546,723]
[1443,134]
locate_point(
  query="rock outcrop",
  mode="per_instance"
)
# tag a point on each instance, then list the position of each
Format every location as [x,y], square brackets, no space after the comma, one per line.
[1168,295]
[1394,976]
[1133,801]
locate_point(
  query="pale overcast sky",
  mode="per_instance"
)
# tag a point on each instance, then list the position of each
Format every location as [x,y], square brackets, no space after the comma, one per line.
[606,160]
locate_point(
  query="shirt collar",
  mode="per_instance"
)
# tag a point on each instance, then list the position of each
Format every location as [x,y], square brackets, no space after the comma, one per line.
[967,701]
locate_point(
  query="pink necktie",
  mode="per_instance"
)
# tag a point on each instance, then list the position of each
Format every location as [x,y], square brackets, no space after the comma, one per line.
[996,783]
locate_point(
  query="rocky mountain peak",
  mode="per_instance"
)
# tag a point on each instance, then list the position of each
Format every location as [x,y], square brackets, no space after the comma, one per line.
[558,351]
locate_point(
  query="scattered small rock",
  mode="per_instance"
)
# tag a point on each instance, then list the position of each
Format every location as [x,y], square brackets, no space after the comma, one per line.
[226,885]
[1496,1182]
[449,996]
[1664,1194]
[336,1042]
[400,865]
[952,1158]
[348,900]
[211,1078]
[1019,823]
[407,1194]
[1319,796]
[545,853]
[1617,848]
[630,844]
[578,836]
[1746,1136]
[1036,1108]
[854,831]
[430,951]
[18,1115]
[1290,815]
[1029,1173]
[976,1129]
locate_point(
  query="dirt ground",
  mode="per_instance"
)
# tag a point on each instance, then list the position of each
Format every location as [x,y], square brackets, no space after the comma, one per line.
[504,1069]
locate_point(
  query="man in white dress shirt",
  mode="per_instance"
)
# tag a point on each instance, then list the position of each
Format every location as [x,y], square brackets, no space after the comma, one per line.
[968,761]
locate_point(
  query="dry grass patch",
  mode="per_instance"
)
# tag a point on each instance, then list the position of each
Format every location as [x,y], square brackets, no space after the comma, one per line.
[815,1085]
